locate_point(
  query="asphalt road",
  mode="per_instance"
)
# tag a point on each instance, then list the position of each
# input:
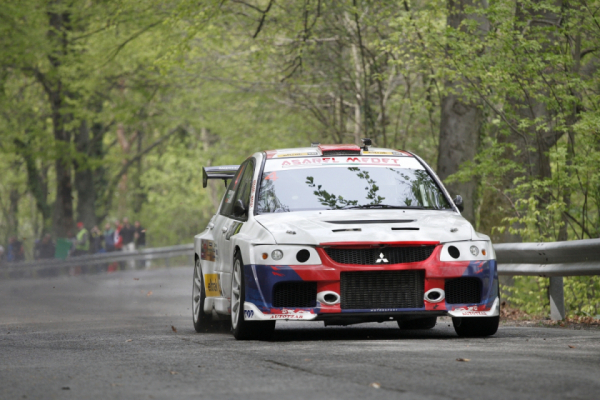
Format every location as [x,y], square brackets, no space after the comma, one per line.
[113,336]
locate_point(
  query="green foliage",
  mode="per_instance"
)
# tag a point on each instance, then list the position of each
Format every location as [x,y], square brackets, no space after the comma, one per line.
[529,293]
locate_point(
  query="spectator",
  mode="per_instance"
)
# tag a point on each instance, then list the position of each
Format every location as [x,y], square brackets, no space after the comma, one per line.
[16,252]
[71,239]
[36,249]
[109,238]
[140,236]
[140,241]
[128,233]
[96,238]
[1,255]
[46,248]
[118,239]
[82,240]
[117,245]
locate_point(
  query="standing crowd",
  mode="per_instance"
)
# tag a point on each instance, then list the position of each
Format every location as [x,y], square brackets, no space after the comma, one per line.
[118,236]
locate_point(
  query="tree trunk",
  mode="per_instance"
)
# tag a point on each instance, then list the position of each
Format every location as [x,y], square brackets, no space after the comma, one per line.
[532,142]
[84,180]
[37,182]
[461,121]
[57,35]
[12,219]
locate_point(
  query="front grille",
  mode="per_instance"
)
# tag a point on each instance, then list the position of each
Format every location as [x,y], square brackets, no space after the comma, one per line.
[342,153]
[391,255]
[382,289]
[463,291]
[295,294]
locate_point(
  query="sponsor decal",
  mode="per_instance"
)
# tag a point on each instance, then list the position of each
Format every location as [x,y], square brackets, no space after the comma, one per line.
[471,309]
[295,154]
[208,250]
[252,194]
[287,313]
[379,153]
[229,196]
[249,314]
[348,161]
[211,285]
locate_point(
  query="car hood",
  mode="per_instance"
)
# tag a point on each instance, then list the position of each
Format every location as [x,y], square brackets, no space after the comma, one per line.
[339,226]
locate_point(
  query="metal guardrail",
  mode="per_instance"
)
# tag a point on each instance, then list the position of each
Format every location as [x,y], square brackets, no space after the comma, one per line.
[550,259]
[102,259]
[553,260]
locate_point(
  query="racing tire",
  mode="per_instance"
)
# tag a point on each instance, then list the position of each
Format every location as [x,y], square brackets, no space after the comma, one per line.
[202,322]
[475,326]
[242,329]
[421,323]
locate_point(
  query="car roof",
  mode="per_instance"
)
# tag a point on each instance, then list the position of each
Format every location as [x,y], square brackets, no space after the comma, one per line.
[335,150]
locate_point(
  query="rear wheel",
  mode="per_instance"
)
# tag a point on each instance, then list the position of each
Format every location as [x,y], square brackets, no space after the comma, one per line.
[475,326]
[242,329]
[421,323]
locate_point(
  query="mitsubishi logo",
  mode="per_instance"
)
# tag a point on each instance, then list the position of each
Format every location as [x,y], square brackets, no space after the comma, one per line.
[381,259]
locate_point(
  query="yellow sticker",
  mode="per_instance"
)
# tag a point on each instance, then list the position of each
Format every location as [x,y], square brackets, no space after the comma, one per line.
[379,152]
[211,284]
[295,154]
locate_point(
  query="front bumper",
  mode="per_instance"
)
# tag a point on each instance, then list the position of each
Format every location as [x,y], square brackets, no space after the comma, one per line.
[261,280]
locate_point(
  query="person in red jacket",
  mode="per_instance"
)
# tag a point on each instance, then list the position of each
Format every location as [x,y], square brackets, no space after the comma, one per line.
[118,237]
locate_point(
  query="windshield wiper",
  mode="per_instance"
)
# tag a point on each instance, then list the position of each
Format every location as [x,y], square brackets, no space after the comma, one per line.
[371,206]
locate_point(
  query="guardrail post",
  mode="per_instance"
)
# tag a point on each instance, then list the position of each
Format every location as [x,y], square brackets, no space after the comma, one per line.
[557,298]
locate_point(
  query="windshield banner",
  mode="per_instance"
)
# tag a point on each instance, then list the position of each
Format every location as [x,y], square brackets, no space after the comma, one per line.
[344,161]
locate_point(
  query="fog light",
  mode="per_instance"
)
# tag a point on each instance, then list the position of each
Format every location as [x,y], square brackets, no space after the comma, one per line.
[303,256]
[277,255]
[453,251]
[474,251]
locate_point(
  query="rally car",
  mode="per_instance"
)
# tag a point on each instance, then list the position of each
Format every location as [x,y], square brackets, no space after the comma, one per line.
[341,234]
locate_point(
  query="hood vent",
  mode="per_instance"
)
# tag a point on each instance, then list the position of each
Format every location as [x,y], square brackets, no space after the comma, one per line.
[348,230]
[405,229]
[372,221]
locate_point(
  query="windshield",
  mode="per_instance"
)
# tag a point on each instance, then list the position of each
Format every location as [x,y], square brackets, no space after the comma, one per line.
[355,187]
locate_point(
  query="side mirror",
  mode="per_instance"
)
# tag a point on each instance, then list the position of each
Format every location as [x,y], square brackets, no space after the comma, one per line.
[238,208]
[458,201]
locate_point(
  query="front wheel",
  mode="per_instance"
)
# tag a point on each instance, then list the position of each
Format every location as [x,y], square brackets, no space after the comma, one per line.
[475,326]
[202,322]
[242,329]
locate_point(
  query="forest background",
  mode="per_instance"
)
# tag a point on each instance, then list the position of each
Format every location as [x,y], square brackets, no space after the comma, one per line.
[109,108]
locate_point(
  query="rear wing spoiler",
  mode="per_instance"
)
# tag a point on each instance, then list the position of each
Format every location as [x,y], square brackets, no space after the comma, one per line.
[224,172]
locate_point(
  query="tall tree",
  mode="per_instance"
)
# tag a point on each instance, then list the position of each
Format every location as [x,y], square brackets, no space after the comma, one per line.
[462,115]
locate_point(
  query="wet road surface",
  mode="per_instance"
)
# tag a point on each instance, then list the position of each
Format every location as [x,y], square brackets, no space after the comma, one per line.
[128,335]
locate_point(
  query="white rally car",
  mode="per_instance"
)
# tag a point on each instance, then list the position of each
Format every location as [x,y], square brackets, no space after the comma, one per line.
[341,234]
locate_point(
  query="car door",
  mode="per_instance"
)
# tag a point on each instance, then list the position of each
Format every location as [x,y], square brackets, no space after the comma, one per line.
[229,225]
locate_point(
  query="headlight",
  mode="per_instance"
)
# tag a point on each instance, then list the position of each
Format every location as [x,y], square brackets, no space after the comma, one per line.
[468,250]
[474,251]
[283,254]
